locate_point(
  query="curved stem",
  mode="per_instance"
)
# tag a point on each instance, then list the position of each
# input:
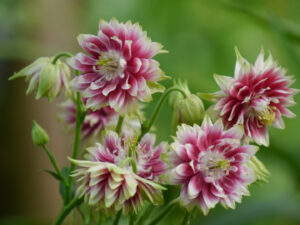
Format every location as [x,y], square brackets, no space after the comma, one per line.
[164,212]
[148,124]
[119,125]
[62,54]
[66,210]
[117,218]
[133,164]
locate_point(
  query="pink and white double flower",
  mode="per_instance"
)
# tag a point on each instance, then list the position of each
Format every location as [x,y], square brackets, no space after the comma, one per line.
[119,70]
[211,165]
[257,96]
[94,121]
[110,179]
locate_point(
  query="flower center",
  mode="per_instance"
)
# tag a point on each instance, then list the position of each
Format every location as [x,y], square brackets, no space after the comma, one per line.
[214,164]
[267,116]
[111,64]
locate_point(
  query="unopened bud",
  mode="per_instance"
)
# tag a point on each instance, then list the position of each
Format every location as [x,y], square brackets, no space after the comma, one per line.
[189,110]
[46,79]
[39,135]
[176,95]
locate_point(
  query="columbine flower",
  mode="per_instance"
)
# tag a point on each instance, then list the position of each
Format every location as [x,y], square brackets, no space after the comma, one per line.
[257,96]
[119,69]
[98,120]
[48,79]
[210,164]
[120,173]
[94,121]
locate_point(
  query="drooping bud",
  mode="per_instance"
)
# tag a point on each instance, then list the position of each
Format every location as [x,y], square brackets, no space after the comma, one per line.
[46,78]
[189,109]
[39,135]
[259,169]
[176,95]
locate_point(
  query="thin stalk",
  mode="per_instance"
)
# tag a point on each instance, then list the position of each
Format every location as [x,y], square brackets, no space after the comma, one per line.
[187,218]
[119,124]
[66,210]
[53,161]
[79,120]
[131,219]
[133,164]
[148,124]
[147,212]
[117,218]
[163,213]
[62,54]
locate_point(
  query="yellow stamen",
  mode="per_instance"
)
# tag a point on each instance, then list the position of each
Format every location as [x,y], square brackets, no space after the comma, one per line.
[267,117]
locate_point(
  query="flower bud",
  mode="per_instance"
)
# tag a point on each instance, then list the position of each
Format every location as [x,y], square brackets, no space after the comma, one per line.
[39,135]
[176,95]
[259,169]
[46,78]
[189,110]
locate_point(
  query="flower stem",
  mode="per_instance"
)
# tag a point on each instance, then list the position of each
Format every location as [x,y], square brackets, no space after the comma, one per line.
[141,220]
[117,218]
[164,212]
[53,161]
[187,218]
[61,54]
[146,126]
[131,219]
[133,164]
[79,119]
[66,210]
[119,124]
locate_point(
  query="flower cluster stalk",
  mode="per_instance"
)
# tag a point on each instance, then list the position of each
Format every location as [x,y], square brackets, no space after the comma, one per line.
[148,124]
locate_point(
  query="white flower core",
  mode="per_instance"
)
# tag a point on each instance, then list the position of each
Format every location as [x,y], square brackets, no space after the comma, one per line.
[213,164]
[111,64]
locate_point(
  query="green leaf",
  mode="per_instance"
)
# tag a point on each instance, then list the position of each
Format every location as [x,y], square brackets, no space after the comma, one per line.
[53,174]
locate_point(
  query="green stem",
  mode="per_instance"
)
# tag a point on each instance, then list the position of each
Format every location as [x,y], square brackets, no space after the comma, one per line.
[187,218]
[119,124]
[67,209]
[164,213]
[117,218]
[61,54]
[131,219]
[141,220]
[148,124]
[133,164]
[53,161]
[79,120]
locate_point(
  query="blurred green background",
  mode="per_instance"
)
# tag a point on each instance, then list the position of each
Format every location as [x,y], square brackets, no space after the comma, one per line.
[200,35]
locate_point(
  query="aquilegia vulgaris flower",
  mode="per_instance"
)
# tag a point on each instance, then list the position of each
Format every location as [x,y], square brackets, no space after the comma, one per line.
[211,165]
[120,173]
[94,121]
[119,69]
[46,78]
[257,96]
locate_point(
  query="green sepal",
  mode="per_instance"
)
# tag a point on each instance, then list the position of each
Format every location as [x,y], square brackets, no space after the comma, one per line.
[48,78]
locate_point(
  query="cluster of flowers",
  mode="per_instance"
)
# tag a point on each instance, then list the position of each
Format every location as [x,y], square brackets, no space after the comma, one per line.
[212,157]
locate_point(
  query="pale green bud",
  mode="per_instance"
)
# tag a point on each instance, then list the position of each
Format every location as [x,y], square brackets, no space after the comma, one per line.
[46,78]
[39,135]
[189,110]
[176,95]
[260,171]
